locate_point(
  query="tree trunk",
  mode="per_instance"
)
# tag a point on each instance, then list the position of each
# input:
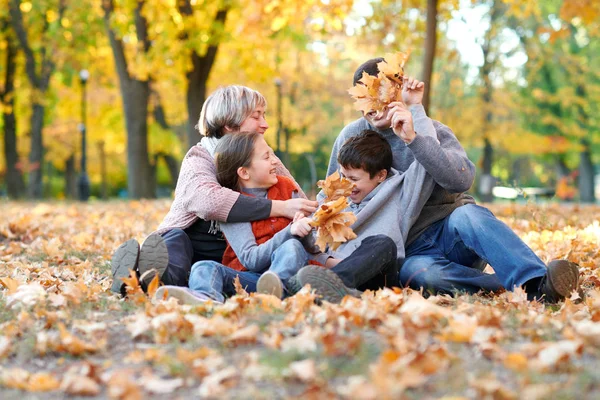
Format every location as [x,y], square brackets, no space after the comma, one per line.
[487,180]
[586,174]
[198,75]
[136,95]
[36,153]
[140,182]
[104,180]
[70,178]
[173,165]
[430,45]
[14,177]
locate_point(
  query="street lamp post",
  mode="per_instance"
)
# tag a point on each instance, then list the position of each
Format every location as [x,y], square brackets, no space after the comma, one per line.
[84,182]
[278,84]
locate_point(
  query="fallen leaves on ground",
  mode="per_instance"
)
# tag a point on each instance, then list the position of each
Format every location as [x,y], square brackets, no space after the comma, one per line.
[63,332]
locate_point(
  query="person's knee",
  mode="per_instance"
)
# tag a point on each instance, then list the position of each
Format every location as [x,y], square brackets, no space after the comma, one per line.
[469,215]
[417,272]
[382,244]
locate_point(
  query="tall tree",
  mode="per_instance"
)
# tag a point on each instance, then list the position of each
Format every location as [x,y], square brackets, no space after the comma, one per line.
[135,92]
[39,67]
[430,45]
[14,178]
[201,65]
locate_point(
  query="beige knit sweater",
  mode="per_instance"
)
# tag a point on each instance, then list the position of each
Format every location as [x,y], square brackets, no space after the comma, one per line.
[199,195]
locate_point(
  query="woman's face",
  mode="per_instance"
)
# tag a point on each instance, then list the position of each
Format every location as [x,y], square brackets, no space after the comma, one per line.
[256,122]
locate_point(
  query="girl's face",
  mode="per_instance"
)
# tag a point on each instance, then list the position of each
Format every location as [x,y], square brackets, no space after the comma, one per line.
[261,172]
[256,122]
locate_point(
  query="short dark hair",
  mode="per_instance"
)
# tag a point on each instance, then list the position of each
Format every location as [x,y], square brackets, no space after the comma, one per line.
[233,151]
[370,67]
[368,151]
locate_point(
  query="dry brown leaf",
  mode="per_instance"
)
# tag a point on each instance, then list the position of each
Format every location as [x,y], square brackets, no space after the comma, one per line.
[375,93]
[333,226]
[335,186]
[10,284]
[153,286]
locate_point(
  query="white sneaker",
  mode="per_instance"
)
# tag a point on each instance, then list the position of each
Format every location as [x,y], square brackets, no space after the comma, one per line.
[185,295]
[270,283]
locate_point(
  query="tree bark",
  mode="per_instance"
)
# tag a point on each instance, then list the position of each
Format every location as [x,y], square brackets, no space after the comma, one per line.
[198,75]
[40,82]
[136,95]
[14,177]
[430,46]
[586,174]
[485,72]
[70,178]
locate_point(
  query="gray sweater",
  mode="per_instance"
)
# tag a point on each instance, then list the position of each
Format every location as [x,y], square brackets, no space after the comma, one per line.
[443,158]
[399,198]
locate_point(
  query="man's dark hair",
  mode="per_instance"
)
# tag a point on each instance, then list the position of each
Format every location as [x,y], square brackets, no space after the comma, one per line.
[370,67]
[368,151]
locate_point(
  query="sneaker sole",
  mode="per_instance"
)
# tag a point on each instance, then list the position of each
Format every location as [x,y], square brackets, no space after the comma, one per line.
[564,276]
[154,259]
[326,284]
[269,283]
[179,293]
[124,259]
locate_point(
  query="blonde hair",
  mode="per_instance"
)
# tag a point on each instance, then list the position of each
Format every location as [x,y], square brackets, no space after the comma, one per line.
[228,106]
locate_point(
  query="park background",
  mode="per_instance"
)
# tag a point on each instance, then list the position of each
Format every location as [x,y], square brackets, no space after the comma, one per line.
[516,81]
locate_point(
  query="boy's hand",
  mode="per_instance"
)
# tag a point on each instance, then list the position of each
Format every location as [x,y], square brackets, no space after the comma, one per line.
[401,121]
[301,227]
[412,91]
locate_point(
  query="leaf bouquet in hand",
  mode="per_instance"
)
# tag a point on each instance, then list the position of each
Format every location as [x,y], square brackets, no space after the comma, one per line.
[333,225]
[375,93]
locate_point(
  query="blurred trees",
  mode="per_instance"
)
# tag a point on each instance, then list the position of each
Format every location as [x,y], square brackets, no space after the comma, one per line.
[152,64]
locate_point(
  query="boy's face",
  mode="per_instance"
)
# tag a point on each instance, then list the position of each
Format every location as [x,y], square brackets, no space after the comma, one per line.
[364,184]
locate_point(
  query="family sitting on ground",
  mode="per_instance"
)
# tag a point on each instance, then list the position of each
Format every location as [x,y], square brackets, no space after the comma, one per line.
[239,214]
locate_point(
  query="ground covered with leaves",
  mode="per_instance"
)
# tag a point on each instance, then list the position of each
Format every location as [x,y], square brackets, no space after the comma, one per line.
[63,333]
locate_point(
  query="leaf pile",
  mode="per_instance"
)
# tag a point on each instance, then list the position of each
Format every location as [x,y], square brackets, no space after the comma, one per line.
[375,93]
[62,333]
[333,225]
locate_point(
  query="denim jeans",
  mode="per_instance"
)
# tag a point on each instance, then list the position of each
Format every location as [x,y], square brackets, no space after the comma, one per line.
[185,250]
[372,265]
[441,259]
[216,280]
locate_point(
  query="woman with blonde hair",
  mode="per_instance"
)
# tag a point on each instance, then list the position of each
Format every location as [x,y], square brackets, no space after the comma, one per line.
[190,231]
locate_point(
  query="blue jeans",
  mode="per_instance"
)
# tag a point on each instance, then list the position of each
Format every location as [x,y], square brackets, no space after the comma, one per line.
[216,280]
[441,260]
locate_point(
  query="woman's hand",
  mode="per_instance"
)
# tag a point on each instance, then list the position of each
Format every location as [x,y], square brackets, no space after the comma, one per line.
[289,208]
[301,227]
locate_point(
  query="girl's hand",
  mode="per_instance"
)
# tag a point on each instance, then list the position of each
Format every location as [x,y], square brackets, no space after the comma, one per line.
[301,227]
[299,215]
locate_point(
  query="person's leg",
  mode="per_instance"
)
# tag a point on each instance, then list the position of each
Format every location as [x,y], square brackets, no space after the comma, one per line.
[472,229]
[180,250]
[439,275]
[375,257]
[286,261]
[216,280]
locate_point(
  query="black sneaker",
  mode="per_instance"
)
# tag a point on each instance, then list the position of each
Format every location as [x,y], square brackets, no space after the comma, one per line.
[154,259]
[326,284]
[124,259]
[561,279]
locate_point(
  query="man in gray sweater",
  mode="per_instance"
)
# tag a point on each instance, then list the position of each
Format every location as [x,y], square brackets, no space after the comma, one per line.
[453,237]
